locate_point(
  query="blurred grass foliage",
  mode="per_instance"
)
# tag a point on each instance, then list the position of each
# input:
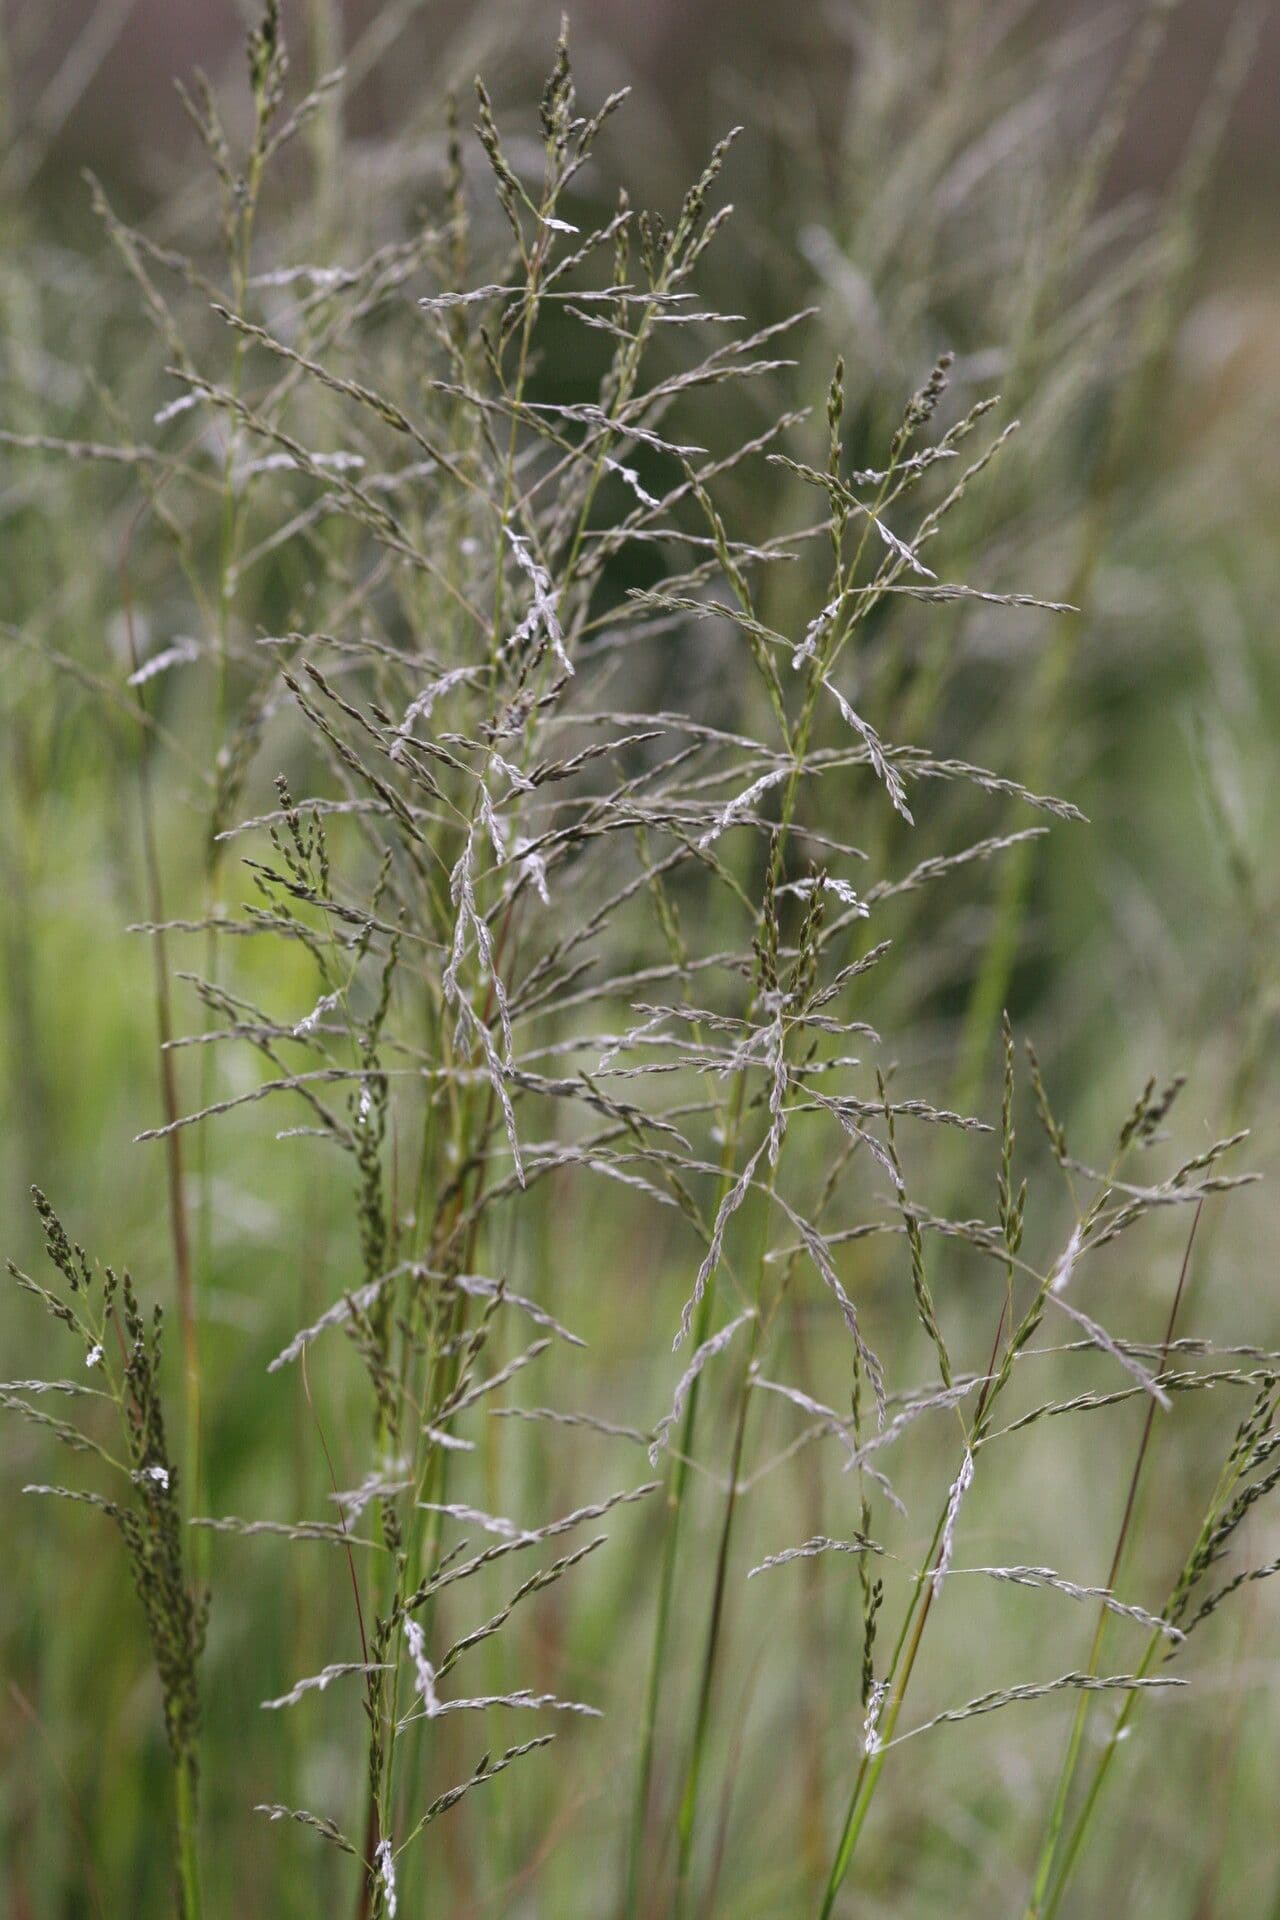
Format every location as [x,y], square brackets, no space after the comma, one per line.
[960,199]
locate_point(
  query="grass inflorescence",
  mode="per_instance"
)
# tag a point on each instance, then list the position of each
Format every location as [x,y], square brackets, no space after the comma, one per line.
[542,668]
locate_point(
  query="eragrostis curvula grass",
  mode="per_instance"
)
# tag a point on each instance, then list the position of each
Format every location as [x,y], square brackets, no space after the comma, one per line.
[560,887]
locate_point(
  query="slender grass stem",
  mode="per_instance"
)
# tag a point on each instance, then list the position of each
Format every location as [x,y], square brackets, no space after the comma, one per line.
[658,1656]
[686,1819]
[903,1658]
[1071,1757]
[188,1838]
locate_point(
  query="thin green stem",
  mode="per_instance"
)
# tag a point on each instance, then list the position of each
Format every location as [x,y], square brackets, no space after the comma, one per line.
[914,1620]
[1224,1492]
[670,1545]
[687,1817]
[797,745]
[1071,1758]
[188,1849]
[179,1230]
[872,1764]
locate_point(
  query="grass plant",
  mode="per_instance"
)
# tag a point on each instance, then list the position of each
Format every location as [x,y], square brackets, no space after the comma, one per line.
[631,1273]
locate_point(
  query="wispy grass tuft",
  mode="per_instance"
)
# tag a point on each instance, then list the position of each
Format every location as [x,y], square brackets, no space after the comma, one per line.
[527,666]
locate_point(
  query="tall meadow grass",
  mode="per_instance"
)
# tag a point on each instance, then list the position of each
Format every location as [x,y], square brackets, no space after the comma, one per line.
[622,1335]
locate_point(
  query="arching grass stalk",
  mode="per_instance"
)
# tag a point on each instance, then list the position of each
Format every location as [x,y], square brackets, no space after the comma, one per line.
[675,1504]
[443,589]
[179,1228]
[1071,1756]
[686,1817]
[1012,1201]
[678,257]
[901,1665]
[268,64]
[1231,1502]
[432,1473]
[832,631]
[793,993]
[760,1327]
[472,1127]
[872,1764]
[1139,1128]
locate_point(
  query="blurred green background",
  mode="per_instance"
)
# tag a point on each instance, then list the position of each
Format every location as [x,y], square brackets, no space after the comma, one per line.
[903,161]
